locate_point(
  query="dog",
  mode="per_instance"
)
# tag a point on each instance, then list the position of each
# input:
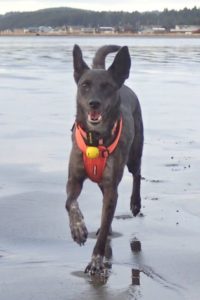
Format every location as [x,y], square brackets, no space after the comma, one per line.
[106,137]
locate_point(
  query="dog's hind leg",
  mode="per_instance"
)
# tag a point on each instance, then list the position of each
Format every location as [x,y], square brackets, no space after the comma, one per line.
[134,164]
[135,204]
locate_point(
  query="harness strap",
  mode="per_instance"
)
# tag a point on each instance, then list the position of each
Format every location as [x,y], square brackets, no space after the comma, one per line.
[95,166]
[112,147]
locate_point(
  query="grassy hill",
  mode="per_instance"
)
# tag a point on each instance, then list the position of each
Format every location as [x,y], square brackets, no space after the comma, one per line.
[70,16]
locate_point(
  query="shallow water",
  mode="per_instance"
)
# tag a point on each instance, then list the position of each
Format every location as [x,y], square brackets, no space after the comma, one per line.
[37,107]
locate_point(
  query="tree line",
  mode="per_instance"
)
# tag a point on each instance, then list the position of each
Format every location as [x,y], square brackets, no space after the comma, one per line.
[57,17]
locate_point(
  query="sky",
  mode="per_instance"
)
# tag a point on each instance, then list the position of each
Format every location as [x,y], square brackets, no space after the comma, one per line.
[113,5]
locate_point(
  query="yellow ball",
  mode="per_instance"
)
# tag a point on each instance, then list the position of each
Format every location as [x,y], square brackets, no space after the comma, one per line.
[92,152]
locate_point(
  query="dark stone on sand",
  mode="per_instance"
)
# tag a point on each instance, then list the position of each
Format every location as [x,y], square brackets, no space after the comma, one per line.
[156,181]
[172,165]
[135,277]
[136,245]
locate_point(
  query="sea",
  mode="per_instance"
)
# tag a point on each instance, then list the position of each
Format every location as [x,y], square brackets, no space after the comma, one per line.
[38,96]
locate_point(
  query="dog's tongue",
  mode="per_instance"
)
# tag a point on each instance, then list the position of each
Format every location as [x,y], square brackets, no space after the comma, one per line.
[94,115]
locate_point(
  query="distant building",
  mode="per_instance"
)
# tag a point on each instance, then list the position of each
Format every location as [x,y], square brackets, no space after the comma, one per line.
[74,29]
[146,30]
[151,30]
[104,29]
[88,30]
[31,30]
[185,29]
[45,29]
[38,30]
[158,30]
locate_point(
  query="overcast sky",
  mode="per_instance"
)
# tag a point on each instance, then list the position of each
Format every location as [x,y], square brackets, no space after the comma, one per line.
[125,5]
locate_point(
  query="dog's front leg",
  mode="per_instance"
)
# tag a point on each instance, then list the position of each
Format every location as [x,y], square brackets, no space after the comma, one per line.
[76,221]
[109,205]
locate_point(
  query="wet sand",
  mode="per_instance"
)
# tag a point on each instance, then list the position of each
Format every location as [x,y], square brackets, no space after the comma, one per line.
[38,259]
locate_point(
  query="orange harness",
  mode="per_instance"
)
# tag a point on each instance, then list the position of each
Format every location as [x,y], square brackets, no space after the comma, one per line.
[94,167]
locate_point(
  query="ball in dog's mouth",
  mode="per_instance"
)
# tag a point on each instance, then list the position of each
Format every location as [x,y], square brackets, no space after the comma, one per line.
[94,117]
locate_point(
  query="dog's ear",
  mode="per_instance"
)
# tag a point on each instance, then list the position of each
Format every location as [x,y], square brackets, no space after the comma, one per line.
[79,65]
[120,67]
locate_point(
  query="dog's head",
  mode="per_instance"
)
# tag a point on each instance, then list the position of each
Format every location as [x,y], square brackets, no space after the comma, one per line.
[98,89]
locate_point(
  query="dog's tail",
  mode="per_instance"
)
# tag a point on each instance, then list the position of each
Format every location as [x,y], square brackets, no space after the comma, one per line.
[99,59]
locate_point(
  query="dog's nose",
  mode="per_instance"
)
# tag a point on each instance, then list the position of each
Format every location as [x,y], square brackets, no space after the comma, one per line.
[94,104]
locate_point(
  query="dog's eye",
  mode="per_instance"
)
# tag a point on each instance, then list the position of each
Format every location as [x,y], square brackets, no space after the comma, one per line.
[86,86]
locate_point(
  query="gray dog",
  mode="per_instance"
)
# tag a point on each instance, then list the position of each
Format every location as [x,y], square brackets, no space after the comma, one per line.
[107,136]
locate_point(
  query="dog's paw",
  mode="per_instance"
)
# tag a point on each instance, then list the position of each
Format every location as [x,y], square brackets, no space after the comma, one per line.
[79,232]
[135,208]
[135,204]
[96,266]
[77,225]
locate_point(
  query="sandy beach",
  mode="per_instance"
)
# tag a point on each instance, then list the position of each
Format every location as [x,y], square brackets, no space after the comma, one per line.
[38,259]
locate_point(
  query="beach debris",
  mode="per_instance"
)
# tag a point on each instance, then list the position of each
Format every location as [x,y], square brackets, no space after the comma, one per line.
[136,245]
[156,181]
[124,217]
[172,165]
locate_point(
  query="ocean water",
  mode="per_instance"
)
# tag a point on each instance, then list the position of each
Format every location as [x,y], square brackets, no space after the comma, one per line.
[37,100]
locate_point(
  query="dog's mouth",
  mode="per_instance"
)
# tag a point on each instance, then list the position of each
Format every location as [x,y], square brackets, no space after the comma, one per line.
[94,117]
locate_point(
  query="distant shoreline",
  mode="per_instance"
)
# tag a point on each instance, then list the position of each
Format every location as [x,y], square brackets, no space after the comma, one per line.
[138,35]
